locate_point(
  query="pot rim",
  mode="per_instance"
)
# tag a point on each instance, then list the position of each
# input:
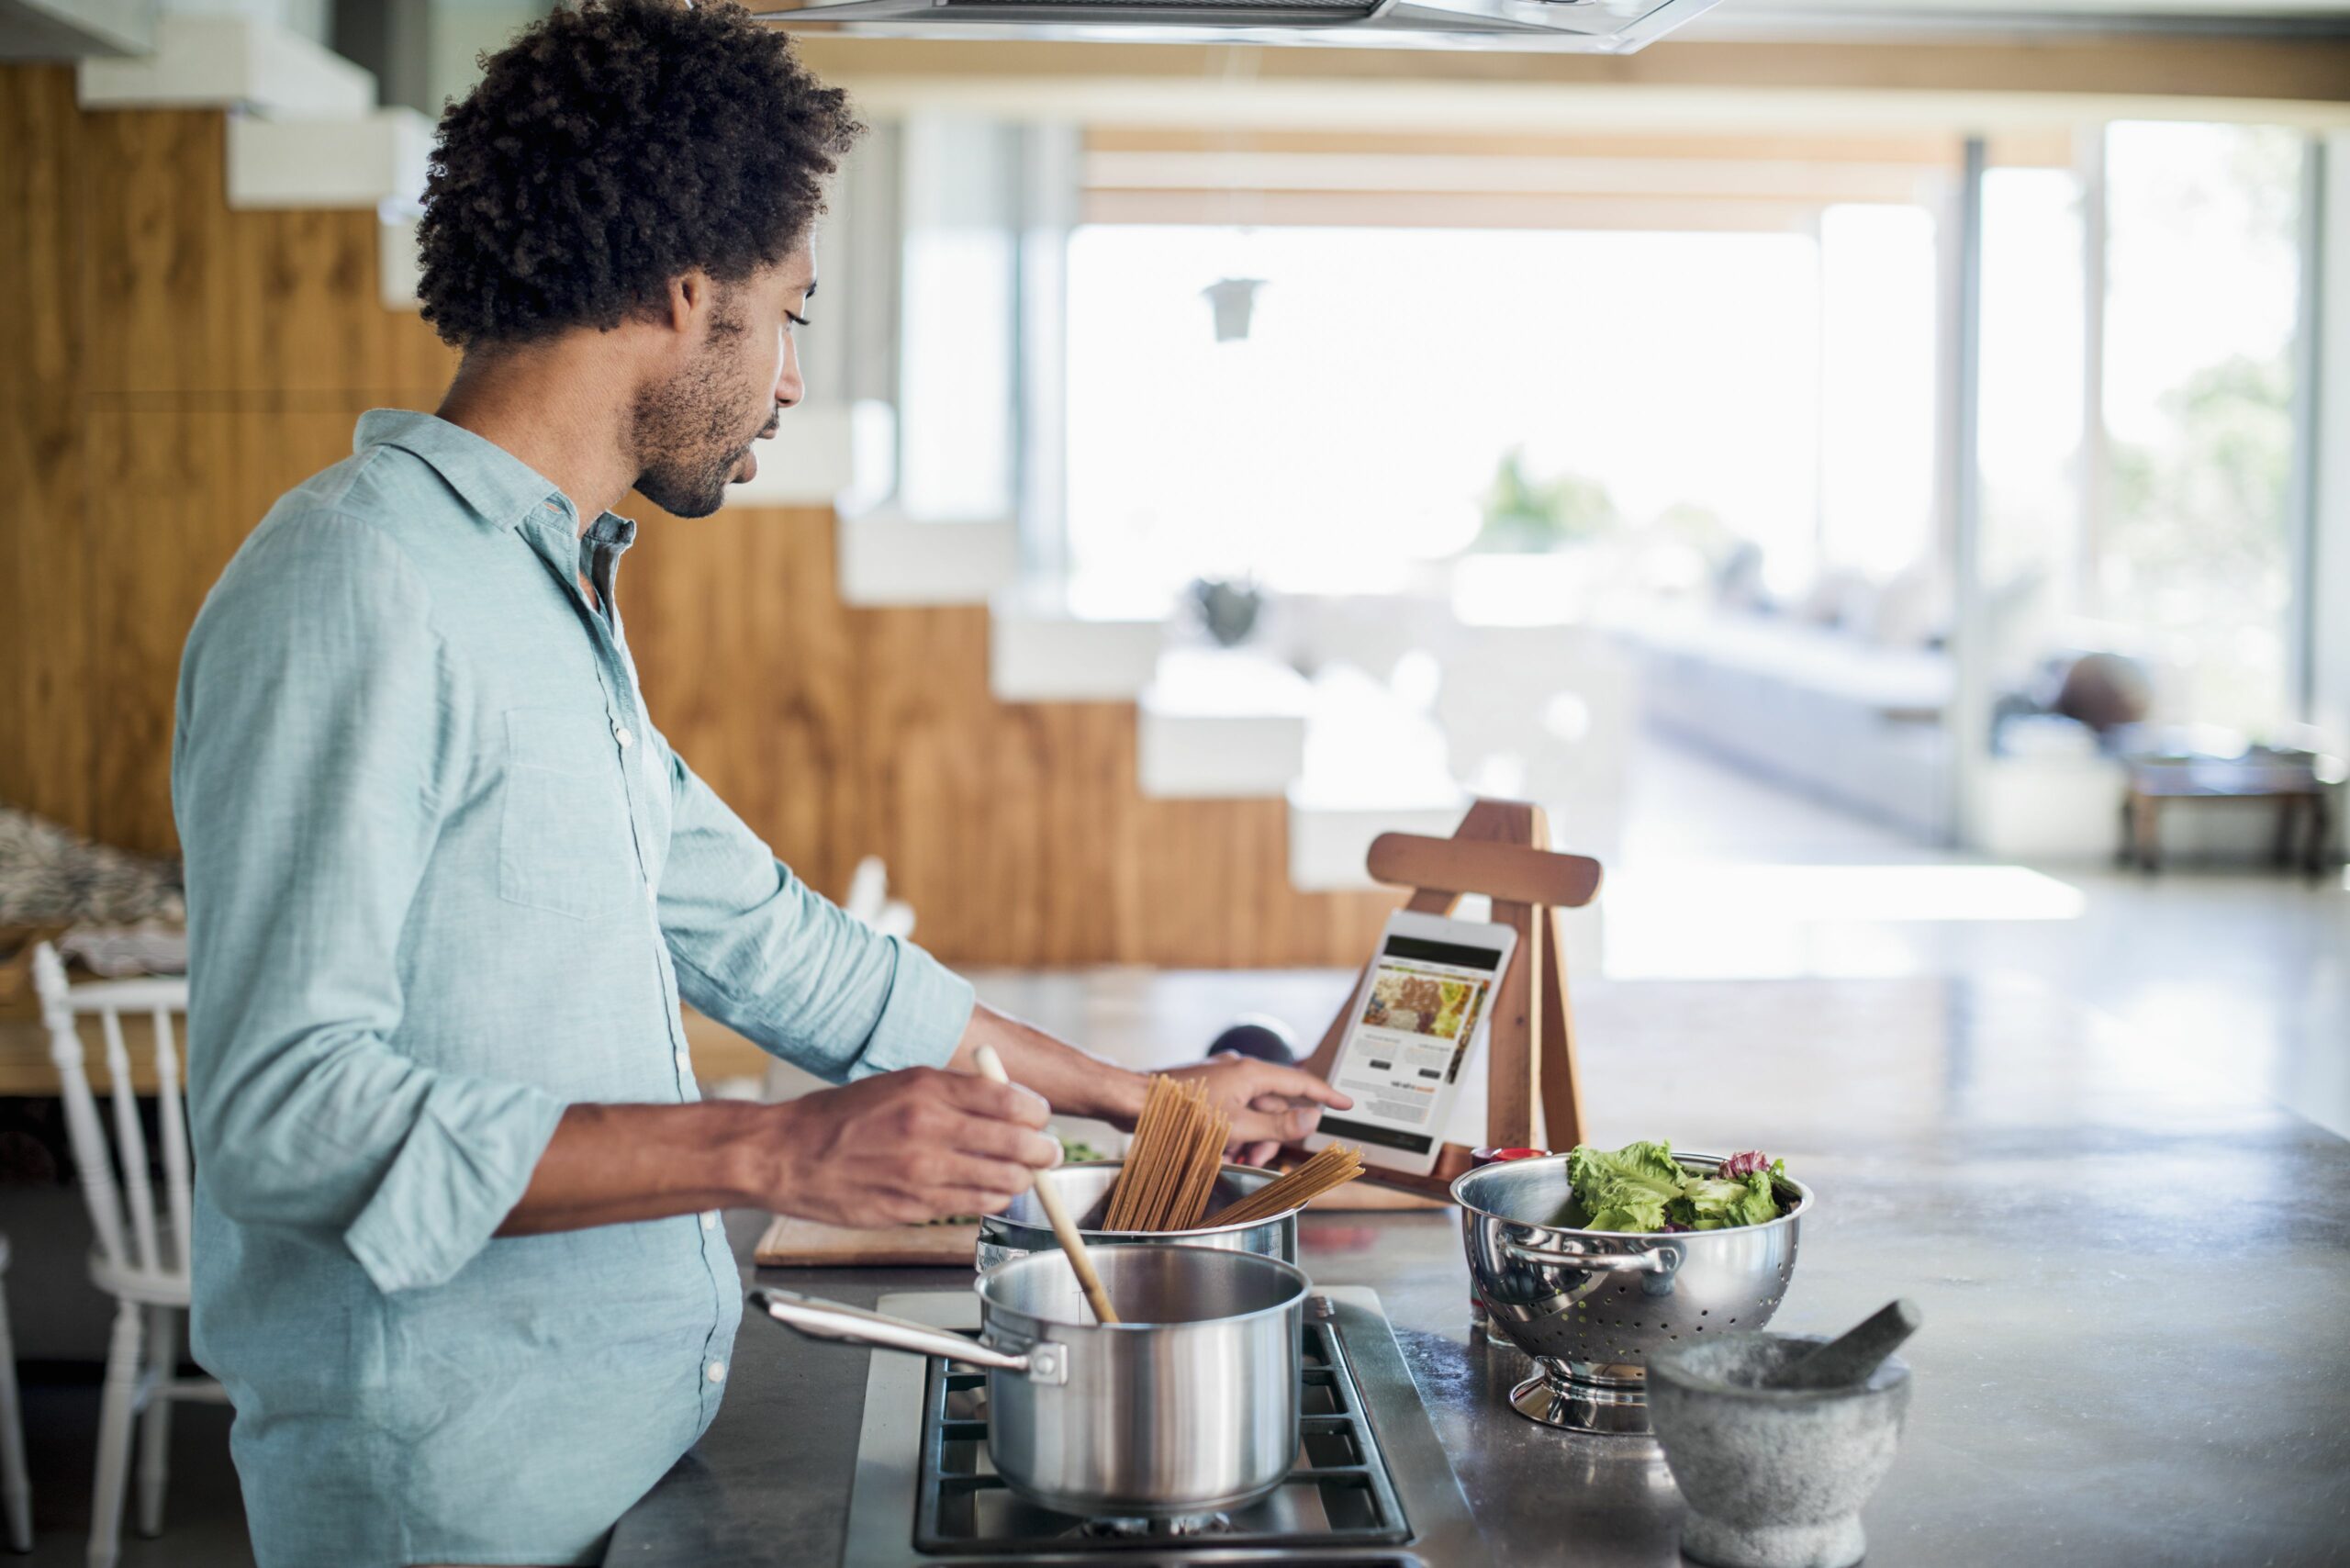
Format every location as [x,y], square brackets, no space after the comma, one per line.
[1004,1223]
[1803,1195]
[990,1309]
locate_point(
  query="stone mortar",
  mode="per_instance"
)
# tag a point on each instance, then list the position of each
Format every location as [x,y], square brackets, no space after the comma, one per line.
[1774,1478]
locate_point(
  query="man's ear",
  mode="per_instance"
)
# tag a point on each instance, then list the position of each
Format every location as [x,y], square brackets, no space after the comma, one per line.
[692,297]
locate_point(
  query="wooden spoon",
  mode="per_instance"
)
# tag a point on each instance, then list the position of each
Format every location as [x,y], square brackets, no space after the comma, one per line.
[1064,1230]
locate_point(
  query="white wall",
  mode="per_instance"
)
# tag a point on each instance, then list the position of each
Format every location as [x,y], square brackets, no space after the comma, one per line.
[461,33]
[311,18]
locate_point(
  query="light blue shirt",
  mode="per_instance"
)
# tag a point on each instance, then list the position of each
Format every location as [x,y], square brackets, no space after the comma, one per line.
[444,877]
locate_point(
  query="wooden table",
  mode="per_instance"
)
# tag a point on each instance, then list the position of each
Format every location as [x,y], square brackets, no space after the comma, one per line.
[2300,789]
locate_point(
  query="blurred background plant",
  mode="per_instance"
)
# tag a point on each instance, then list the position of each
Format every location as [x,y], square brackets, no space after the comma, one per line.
[1524,514]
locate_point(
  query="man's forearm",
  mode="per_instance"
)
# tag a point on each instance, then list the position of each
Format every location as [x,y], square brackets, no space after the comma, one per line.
[1268,1104]
[894,1148]
[1076,1083]
[615,1164]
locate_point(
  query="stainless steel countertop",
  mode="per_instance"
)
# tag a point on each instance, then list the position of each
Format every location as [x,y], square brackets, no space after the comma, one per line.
[2136,1282]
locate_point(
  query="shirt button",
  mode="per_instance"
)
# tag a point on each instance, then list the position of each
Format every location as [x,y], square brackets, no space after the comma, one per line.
[685,1063]
[715,1371]
[620,734]
[710,1220]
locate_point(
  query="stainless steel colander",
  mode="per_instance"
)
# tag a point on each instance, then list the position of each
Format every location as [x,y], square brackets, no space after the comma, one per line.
[1589,1306]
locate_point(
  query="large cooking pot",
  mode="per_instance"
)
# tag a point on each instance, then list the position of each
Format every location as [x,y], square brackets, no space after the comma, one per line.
[1589,1306]
[1188,1408]
[1084,1191]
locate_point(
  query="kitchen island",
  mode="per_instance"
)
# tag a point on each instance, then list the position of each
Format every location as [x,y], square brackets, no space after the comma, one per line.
[2134,1279]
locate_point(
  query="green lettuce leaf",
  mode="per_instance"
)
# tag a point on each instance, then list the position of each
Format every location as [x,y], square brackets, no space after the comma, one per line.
[1640,1188]
[1626,1190]
[1717,1204]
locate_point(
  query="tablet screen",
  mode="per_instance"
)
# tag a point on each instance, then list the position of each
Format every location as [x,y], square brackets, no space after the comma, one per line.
[1418,1019]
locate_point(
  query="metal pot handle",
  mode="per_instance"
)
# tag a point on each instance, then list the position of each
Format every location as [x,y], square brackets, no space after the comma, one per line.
[1663,1261]
[835,1320]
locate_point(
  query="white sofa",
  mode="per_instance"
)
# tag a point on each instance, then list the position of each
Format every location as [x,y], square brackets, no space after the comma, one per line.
[1850,722]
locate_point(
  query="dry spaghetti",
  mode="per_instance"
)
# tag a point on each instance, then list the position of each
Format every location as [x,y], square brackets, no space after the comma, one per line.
[1332,1167]
[1171,1166]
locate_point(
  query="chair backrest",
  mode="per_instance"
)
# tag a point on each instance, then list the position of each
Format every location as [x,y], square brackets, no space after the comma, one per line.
[116,1180]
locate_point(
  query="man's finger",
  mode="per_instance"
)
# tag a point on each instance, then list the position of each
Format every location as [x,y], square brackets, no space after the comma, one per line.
[954,1201]
[1299,1084]
[1007,1140]
[979,1174]
[1005,1101]
[1286,1126]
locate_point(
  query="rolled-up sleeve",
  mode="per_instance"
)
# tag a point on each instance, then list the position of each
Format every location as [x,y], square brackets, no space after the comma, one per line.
[322,740]
[762,952]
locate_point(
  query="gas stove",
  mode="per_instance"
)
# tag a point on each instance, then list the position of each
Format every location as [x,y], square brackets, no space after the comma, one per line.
[1370,1487]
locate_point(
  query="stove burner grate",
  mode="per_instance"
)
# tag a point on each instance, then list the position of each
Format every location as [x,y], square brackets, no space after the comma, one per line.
[1338,1492]
[1180,1525]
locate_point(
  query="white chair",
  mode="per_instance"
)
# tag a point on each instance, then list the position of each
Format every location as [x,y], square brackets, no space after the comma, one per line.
[16,1491]
[138,1260]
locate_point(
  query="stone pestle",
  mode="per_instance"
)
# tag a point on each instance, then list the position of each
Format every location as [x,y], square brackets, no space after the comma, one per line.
[1847,1360]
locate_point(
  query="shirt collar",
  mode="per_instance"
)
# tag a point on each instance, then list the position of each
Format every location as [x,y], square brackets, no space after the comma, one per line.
[613,530]
[503,489]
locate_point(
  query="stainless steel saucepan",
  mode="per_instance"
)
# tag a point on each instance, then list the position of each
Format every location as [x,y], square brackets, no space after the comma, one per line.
[1084,1191]
[1187,1406]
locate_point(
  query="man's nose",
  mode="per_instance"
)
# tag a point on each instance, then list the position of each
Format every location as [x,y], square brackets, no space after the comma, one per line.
[788,389]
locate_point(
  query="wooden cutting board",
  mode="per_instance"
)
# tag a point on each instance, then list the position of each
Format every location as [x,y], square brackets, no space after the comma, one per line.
[805,1244]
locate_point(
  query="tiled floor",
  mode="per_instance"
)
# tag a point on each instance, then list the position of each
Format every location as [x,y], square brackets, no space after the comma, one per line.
[1719,876]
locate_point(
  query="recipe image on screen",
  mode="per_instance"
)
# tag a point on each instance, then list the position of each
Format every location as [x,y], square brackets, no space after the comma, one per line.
[1419,1018]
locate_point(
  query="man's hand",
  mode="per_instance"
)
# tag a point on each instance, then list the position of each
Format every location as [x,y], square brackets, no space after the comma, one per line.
[904,1147]
[897,1149]
[1270,1106]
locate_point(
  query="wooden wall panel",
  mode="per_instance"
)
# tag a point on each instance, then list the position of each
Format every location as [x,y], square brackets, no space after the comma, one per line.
[1017,831]
[187,297]
[172,492]
[188,365]
[45,721]
[157,308]
[40,238]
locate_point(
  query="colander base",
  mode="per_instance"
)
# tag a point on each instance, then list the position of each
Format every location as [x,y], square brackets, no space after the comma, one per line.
[1558,1396]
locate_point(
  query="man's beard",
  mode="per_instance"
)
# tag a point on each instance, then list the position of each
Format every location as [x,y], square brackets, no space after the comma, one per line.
[687,432]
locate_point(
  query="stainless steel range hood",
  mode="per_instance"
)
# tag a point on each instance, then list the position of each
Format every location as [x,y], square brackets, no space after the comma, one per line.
[1592,27]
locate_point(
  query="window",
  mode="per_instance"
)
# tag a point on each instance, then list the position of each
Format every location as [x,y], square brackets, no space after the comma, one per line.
[2193,554]
[1388,373]
[2031,404]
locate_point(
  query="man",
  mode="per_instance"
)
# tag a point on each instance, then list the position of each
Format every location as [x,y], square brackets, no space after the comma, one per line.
[458,1253]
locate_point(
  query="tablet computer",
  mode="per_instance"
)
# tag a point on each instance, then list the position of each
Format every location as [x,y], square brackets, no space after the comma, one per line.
[1413,1035]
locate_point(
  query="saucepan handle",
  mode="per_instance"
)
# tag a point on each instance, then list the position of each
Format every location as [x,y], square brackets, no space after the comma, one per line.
[1663,1261]
[833,1320]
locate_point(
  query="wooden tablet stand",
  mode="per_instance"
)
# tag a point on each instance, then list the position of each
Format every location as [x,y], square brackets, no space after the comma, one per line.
[1502,850]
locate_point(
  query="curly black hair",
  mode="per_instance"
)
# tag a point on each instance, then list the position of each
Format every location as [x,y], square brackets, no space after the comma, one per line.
[611,147]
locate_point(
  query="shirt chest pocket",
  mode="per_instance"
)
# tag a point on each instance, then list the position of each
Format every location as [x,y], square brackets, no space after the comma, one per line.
[564,843]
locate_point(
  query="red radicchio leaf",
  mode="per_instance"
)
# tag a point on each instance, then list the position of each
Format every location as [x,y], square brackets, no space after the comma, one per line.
[1746,1164]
